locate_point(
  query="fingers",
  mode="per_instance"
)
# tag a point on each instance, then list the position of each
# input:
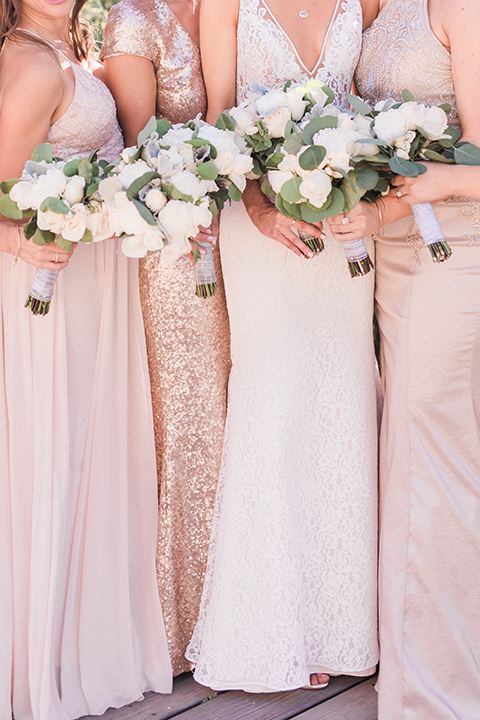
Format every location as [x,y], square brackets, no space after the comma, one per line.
[209,234]
[47,257]
[290,234]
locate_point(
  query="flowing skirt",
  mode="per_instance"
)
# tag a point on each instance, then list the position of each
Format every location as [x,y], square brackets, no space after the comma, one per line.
[82,624]
[291,579]
[429,317]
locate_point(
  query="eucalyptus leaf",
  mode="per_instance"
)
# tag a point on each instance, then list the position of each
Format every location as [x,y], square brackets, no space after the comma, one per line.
[447,109]
[7,185]
[290,190]
[87,237]
[407,168]
[465,153]
[337,202]
[316,124]
[43,153]
[289,128]
[85,170]
[274,160]
[93,156]
[311,214]
[435,156]
[407,96]
[144,212]
[294,210]
[293,144]
[30,228]
[66,245]
[234,193]
[55,205]
[351,192]
[162,127]
[92,188]
[71,167]
[139,183]
[207,170]
[43,237]
[366,178]
[175,194]
[358,105]
[267,188]
[145,133]
[453,133]
[311,158]
[225,122]
[258,168]
[9,208]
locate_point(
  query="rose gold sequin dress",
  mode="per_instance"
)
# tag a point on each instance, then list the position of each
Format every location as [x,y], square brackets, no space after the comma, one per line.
[187,339]
[429,316]
[82,626]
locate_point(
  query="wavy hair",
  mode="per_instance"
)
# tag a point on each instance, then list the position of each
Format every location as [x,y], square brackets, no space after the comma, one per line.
[80,33]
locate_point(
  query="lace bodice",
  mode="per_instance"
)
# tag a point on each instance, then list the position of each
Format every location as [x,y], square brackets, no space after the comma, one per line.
[90,121]
[401,51]
[266,55]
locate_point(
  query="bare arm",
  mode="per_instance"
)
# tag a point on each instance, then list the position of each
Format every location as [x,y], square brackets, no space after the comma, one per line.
[133,84]
[218,45]
[31,92]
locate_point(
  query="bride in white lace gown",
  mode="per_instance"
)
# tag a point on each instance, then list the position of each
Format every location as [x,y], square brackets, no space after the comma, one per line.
[290,589]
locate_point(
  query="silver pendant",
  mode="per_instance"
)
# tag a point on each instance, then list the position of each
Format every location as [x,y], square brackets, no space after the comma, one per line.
[303,14]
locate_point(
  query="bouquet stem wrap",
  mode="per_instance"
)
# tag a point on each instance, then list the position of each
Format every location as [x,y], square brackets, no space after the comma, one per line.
[431,232]
[315,244]
[41,291]
[206,280]
[359,262]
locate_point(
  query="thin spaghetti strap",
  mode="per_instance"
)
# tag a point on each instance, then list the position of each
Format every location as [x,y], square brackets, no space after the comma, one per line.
[60,52]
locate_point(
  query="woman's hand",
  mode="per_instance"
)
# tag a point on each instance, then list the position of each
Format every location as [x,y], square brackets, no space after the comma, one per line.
[205,235]
[434,185]
[363,220]
[49,257]
[273,224]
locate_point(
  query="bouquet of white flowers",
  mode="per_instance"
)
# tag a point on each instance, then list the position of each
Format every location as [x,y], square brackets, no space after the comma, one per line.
[174,181]
[62,205]
[403,133]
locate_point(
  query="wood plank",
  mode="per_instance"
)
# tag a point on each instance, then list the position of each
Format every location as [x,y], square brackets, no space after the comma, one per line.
[359,703]
[237,705]
[186,694]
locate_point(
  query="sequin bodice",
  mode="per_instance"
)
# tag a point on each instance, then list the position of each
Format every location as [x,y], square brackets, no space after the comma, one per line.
[401,51]
[266,55]
[149,29]
[89,123]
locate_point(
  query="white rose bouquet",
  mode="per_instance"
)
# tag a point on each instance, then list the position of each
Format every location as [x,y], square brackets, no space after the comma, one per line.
[61,203]
[174,181]
[403,133]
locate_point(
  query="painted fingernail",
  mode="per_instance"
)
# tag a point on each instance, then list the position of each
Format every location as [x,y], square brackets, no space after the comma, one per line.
[212,239]
[323,236]
[310,254]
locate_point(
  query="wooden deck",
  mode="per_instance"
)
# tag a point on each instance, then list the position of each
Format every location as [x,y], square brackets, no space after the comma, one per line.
[345,698]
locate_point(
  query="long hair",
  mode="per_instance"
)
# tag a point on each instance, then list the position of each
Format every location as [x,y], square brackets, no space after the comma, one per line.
[80,33]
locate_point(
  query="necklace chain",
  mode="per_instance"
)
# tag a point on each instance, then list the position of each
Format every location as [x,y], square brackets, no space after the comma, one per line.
[303,13]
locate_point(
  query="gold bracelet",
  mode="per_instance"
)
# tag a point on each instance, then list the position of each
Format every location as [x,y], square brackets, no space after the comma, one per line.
[378,232]
[19,242]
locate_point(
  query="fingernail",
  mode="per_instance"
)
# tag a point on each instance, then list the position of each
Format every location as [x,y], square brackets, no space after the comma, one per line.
[323,236]
[310,254]
[213,239]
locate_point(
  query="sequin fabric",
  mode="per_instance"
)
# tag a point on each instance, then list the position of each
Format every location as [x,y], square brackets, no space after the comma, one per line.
[188,343]
[401,51]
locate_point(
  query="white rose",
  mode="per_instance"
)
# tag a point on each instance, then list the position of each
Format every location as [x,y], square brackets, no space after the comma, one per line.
[108,188]
[129,173]
[435,123]
[242,164]
[390,125]
[153,239]
[269,102]
[133,247]
[363,125]
[25,194]
[403,144]
[74,191]
[167,162]
[295,102]
[186,152]
[337,155]
[128,153]
[176,136]
[316,188]
[414,114]
[224,162]
[358,148]
[245,123]
[74,227]
[188,184]
[278,178]
[31,193]
[51,221]
[180,220]
[277,122]
[99,226]
[124,217]
[155,200]
[315,88]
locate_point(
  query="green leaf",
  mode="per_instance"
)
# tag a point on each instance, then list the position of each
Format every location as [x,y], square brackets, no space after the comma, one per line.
[163,126]
[258,168]
[294,210]
[207,170]
[281,206]
[465,153]
[43,237]
[407,168]
[289,129]
[86,238]
[407,96]
[316,124]
[66,245]
[358,105]
[93,156]
[175,194]
[274,159]
[43,153]
[435,156]
[267,188]
[447,109]
[290,190]
[311,214]
[55,205]
[71,167]
[145,133]
[287,85]
[144,212]
[234,193]
[92,188]
[454,134]
[293,144]
[7,185]
[311,158]
[85,170]
[30,228]
[337,202]
[9,208]
[225,122]
[196,252]
[139,183]
[366,178]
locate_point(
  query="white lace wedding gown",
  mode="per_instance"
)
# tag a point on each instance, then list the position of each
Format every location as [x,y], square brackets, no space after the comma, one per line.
[291,579]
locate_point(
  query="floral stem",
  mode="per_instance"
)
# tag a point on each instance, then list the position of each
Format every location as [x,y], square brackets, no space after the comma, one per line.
[360,267]
[440,251]
[207,290]
[315,244]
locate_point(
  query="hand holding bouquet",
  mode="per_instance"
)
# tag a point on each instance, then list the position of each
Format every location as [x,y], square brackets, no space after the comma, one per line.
[61,203]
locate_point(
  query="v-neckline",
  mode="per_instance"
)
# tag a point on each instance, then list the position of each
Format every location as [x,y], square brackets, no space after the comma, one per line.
[292,44]
[180,24]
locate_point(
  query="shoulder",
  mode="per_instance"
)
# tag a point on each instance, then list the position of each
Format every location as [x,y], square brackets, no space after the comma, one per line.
[370,9]
[224,11]
[134,12]
[31,71]
[131,25]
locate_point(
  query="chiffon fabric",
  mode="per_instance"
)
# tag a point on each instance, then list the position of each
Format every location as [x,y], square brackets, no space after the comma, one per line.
[82,623]
[429,318]
[188,342]
[291,581]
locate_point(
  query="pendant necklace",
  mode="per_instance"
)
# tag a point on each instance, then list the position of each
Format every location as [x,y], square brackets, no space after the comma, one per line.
[303,13]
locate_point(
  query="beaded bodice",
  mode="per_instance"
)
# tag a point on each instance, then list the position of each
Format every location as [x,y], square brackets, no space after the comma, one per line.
[266,55]
[401,51]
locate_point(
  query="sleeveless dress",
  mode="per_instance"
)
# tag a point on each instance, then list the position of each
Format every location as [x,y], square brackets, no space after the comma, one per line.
[188,342]
[82,628]
[291,579]
[429,317]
